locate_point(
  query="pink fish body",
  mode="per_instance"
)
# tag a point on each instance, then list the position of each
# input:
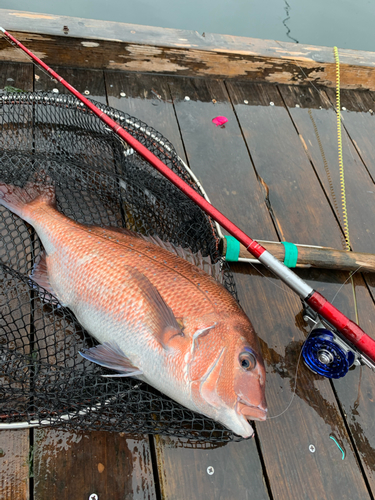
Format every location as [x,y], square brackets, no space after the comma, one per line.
[157,316]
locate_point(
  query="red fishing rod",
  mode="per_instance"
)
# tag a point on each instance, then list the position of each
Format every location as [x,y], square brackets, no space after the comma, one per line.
[327,316]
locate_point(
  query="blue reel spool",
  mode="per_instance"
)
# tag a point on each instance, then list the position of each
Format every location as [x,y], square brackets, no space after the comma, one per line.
[326,357]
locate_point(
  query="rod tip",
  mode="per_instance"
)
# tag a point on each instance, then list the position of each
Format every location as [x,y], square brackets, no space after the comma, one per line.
[2,29]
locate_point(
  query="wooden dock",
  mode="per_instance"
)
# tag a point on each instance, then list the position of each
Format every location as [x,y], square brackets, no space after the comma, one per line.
[266,170]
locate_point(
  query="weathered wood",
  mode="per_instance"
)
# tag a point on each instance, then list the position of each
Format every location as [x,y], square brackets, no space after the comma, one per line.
[71,465]
[298,205]
[16,75]
[14,445]
[315,121]
[314,415]
[14,465]
[183,469]
[147,98]
[88,82]
[263,303]
[295,197]
[218,155]
[355,391]
[319,126]
[310,256]
[228,472]
[69,41]
[109,464]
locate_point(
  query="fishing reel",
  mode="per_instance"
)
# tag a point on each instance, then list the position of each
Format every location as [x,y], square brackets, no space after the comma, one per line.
[325,352]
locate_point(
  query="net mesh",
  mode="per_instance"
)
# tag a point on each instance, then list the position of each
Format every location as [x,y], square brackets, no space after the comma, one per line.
[99,180]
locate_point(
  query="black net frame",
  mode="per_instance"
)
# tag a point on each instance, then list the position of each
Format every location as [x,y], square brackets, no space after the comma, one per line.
[99,180]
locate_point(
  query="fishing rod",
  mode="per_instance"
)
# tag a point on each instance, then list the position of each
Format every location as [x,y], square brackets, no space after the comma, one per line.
[340,342]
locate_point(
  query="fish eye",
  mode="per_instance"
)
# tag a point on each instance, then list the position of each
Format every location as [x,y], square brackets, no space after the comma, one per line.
[247,360]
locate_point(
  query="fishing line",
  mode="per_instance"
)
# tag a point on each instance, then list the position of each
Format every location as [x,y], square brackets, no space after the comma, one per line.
[124,135]
[350,277]
[294,390]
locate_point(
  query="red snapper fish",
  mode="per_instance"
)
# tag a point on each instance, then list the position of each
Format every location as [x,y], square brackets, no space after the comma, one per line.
[157,316]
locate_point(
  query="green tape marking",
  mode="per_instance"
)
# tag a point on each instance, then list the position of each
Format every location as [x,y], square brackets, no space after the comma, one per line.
[291,254]
[233,249]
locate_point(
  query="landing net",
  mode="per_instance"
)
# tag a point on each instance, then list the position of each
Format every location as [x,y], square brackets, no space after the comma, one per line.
[99,180]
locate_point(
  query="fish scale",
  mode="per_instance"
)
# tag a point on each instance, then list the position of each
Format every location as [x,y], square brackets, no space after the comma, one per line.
[156,316]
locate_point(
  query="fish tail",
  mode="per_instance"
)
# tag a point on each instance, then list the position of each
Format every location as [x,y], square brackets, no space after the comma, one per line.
[23,201]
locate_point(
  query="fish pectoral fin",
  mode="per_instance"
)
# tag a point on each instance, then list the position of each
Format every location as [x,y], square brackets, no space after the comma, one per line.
[39,275]
[166,329]
[111,356]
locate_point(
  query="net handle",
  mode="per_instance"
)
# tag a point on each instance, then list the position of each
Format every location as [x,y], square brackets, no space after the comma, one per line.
[314,299]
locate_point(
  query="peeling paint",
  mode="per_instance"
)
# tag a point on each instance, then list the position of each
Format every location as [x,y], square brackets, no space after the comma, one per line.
[31,15]
[18,56]
[144,50]
[90,44]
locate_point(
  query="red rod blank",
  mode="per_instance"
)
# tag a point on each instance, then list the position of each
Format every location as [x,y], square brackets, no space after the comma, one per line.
[316,301]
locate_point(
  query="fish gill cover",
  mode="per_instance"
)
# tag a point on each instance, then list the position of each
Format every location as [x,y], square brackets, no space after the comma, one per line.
[99,180]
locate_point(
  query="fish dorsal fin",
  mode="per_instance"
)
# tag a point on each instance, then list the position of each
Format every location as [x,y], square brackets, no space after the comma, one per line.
[204,263]
[39,275]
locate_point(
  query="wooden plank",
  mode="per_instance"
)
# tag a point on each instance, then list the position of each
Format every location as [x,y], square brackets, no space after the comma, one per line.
[14,445]
[295,196]
[314,414]
[73,464]
[225,472]
[211,149]
[316,118]
[148,99]
[314,109]
[358,120]
[110,464]
[69,41]
[16,75]
[183,469]
[88,82]
[14,465]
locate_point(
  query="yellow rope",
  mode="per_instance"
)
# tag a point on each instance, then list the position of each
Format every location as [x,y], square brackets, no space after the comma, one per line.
[341,164]
[342,178]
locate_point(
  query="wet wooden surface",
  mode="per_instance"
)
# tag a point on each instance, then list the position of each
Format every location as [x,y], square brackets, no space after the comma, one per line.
[70,464]
[265,170]
[112,465]
[15,444]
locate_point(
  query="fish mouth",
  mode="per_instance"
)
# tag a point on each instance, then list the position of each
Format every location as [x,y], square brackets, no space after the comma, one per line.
[251,412]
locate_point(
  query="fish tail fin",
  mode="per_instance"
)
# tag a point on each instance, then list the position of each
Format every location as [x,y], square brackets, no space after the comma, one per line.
[23,201]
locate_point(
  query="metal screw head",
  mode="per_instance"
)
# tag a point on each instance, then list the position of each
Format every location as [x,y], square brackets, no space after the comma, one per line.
[86,92]
[187,98]
[343,108]
[312,448]
[93,496]
[298,106]
[55,91]
[210,470]
[122,94]
[246,101]
[272,103]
